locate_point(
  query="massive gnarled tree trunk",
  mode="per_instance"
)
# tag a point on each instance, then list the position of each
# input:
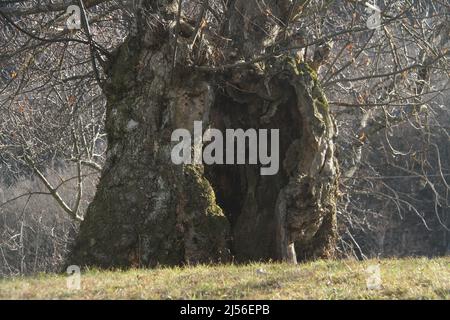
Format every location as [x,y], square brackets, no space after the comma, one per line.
[149,211]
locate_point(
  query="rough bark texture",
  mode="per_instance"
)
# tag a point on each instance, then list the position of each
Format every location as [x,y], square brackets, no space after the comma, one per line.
[148,211]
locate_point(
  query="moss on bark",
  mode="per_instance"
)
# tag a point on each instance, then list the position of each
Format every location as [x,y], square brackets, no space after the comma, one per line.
[148,211]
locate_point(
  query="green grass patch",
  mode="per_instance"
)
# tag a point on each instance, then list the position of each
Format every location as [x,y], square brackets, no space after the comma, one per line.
[417,278]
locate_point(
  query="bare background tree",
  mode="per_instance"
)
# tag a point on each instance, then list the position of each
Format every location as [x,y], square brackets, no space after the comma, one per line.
[387,89]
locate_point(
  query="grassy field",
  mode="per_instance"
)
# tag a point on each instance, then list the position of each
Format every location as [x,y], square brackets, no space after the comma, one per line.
[343,279]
